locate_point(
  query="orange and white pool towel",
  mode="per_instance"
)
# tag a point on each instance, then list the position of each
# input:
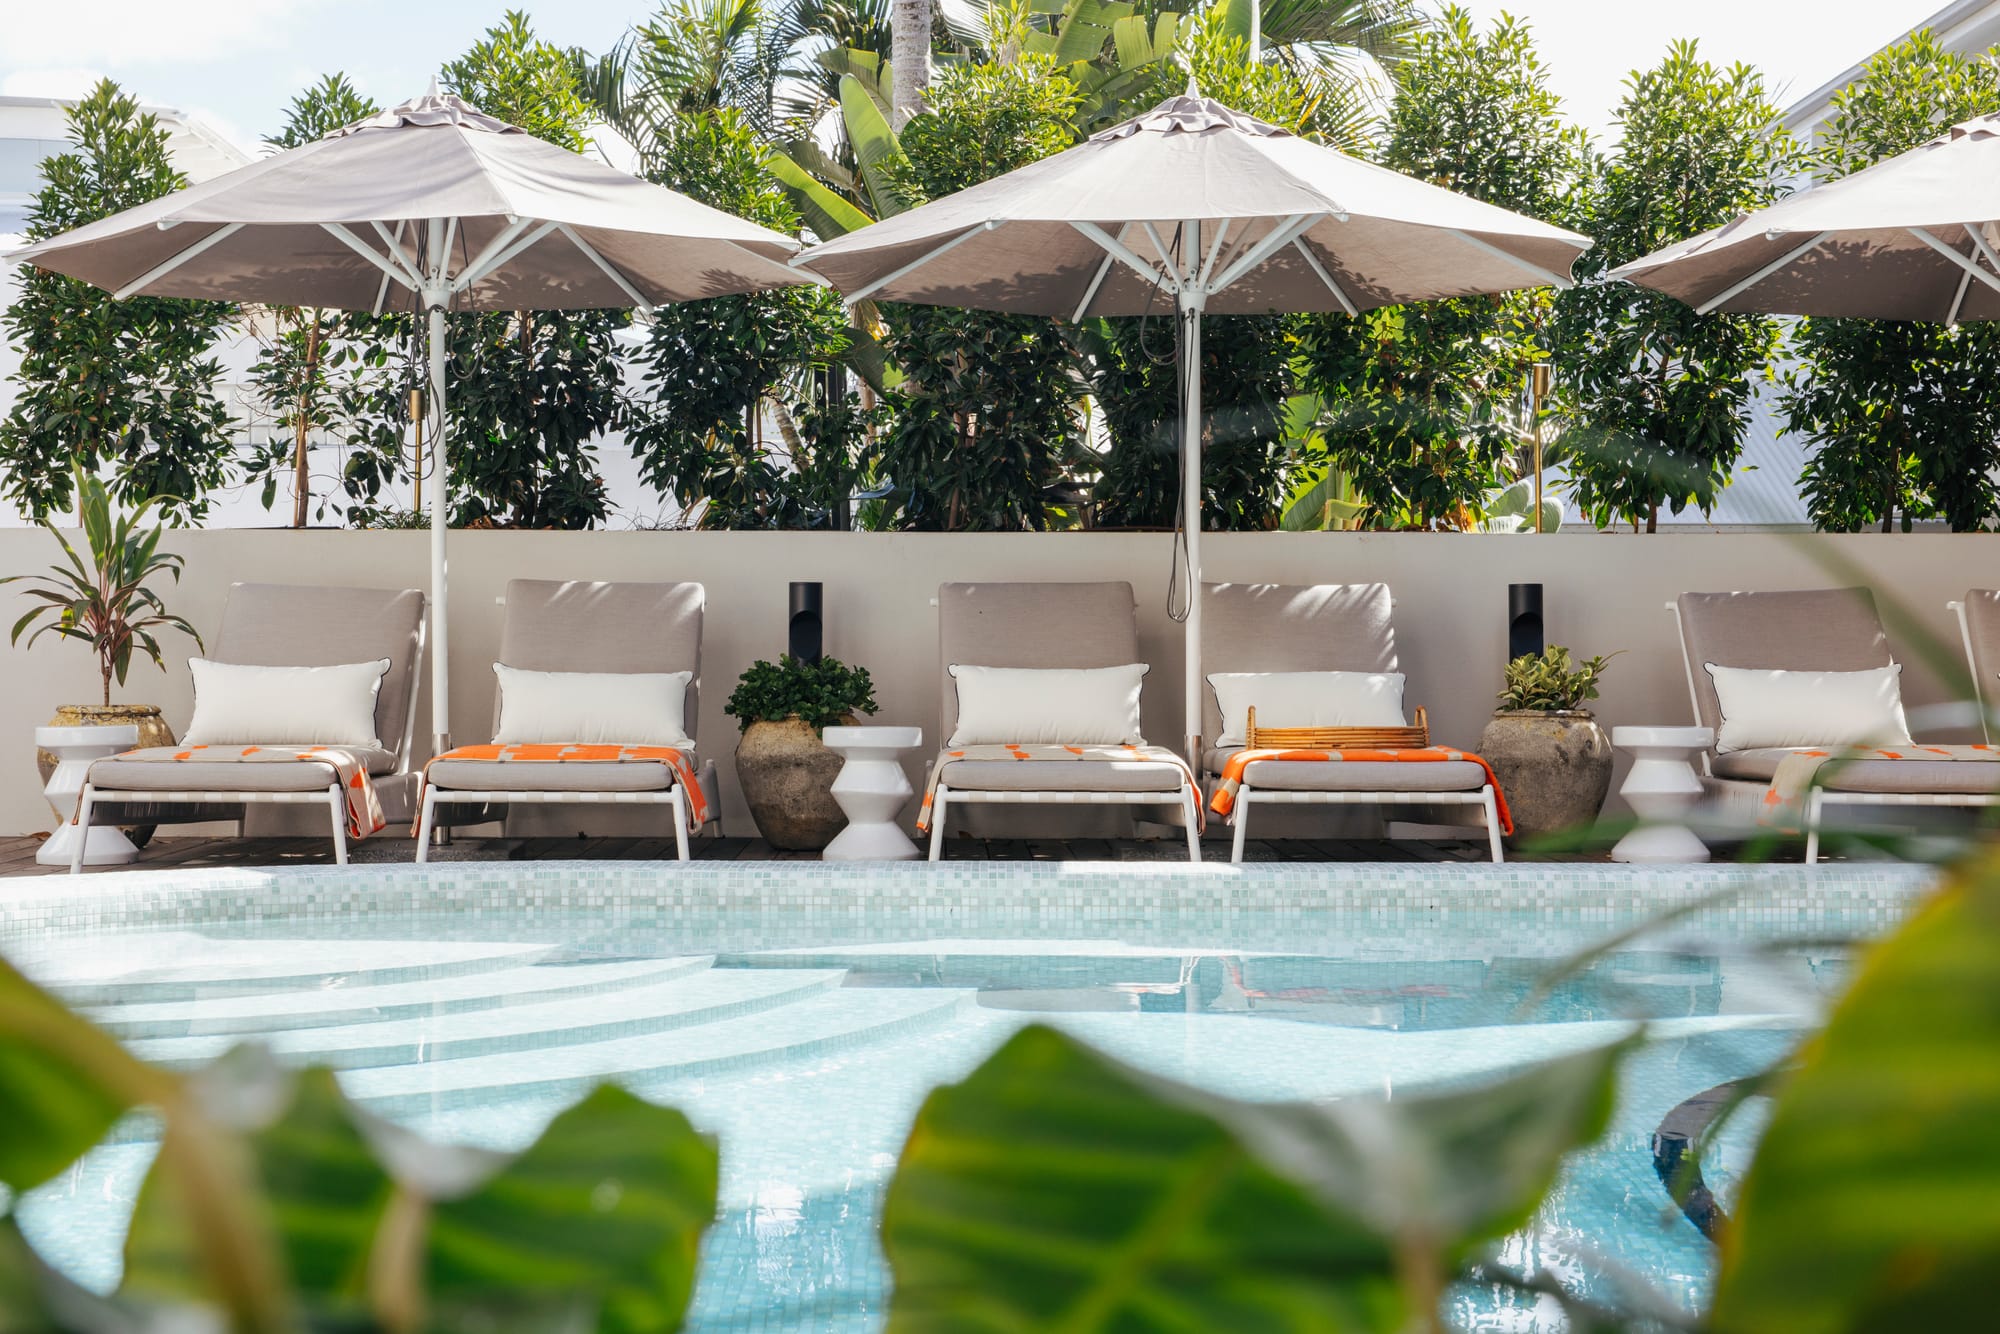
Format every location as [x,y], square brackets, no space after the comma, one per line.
[364,808]
[1224,800]
[1800,772]
[1040,751]
[677,760]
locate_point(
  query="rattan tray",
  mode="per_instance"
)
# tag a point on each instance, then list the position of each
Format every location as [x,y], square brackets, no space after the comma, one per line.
[1415,737]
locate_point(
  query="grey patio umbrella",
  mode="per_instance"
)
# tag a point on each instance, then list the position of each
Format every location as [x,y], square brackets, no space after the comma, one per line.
[1213,210]
[432,206]
[1911,238]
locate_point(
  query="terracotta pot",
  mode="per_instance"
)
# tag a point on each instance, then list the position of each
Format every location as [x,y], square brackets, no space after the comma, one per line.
[787,773]
[153,731]
[1555,768]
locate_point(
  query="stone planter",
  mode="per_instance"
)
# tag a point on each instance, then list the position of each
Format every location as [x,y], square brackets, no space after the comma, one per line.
[153,731]
[787,774]
[1555,768]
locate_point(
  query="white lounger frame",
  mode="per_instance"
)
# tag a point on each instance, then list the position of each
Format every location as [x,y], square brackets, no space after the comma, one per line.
[673,796]
[1820,798]
[1246,795]
[946,796]
[330,796]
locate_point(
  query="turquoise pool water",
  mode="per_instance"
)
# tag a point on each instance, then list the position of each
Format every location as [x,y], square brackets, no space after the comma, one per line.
[804,1039]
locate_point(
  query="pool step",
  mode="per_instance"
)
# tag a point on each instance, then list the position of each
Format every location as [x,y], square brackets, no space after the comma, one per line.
[542,980]
[704,998]
[820,1025]
[183,966]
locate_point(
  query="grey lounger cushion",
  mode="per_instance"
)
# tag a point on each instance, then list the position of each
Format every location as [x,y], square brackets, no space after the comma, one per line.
[1292,628]
[548,776]
[116,775]
[1819,630]
[1891,776]
[1063,776]
[1353,775]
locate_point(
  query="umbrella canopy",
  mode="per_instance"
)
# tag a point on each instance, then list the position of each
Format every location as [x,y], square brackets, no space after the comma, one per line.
[1911,238]
[433,206]
[1208,209]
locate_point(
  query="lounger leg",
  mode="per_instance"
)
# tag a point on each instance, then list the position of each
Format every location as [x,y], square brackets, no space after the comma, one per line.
[337,801]
[426,821]
[1492,806]
[1193,814]
[83,801]
[1813,813]
[678,805]
[937,822]
[1242,822]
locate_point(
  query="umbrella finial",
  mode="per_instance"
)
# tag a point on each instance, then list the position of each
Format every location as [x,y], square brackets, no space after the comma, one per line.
[433,90]
[1193,89]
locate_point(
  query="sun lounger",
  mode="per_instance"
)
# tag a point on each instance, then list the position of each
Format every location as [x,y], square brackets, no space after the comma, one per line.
[1321,628]
[568,626]
[1817,630]
[277,625]
[1046,626]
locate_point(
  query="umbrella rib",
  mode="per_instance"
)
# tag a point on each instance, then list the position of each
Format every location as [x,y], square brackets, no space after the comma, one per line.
[863,293]
[1090,292]
[363,249]
[1214,250]
[382,290]
[1281,235]
[1971,266]
[1736,289]
[1312,260]
[1553,279]
[1123,253]
[1979,243]
[177,259]
[1958,298]
[1160,248]
[480,268]
[610,271]
[394,245]
[477,269]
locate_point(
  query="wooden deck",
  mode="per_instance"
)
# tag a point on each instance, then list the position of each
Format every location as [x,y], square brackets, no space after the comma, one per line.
[17,855]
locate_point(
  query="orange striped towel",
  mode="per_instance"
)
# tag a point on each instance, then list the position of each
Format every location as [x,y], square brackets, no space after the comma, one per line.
[1224,800]
[1800,772]
[364,808]
[1041,751]
[681,762]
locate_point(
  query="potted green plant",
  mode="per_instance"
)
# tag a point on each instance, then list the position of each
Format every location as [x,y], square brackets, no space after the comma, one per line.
[785,770]
[1552,759]
[105,602]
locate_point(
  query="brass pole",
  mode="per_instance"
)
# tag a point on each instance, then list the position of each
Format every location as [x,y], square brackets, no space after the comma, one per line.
[1540,375]
[417,448]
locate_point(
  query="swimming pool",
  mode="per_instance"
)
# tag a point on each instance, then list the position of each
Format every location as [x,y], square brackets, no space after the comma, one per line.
[800,1013]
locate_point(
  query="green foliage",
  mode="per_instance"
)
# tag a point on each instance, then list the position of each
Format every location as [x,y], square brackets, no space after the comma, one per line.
[1057,1189]
[1906,416]
[1419,398]
[818,693]
[124,387]
[1871,1202]
[104,602]
[278,1205]
[1246,378]
[1663,393]
[515,75]
[1551,682]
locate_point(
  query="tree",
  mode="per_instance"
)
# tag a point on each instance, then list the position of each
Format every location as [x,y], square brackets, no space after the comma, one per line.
[305,346]
[910,58]
[530,391]
[1663,392]
[1906,415]
[123,385]
[1419,398]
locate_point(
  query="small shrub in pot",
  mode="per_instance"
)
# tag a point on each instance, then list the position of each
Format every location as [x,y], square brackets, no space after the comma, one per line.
[1552,759]
[785,770]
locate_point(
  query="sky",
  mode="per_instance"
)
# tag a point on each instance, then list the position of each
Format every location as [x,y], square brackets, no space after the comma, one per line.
[236,63]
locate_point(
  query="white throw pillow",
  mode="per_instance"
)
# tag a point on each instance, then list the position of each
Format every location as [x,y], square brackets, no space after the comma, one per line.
[1065,706]
[1307,699]
[236,704]
[1768,709]
[592,708]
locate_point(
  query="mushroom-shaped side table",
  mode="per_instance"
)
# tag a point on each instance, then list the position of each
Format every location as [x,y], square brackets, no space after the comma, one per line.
[1661,789]
[75,749]
[871,788]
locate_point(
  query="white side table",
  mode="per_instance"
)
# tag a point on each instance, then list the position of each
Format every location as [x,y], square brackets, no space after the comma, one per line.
[75,748]
[1661,789]
[871,789]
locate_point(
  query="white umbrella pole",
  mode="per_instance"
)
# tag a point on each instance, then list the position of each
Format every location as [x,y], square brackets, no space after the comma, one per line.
[434,300]
[1190,347]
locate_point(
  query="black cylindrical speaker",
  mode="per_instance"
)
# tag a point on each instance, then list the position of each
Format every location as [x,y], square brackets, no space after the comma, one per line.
[1524,621]
[806,633]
